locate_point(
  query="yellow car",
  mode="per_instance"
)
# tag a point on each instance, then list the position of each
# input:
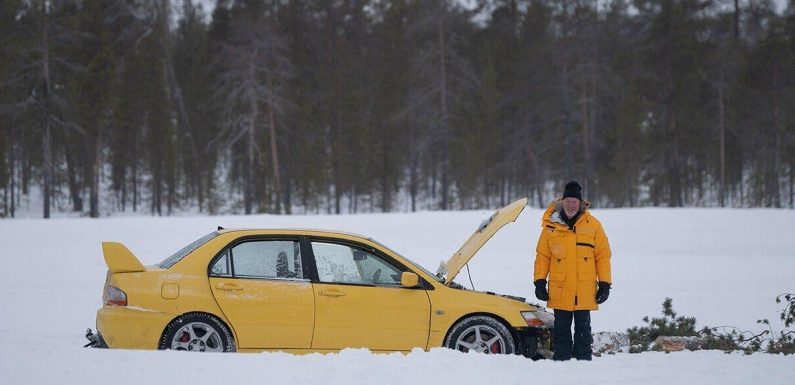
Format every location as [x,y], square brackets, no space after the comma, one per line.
[309,291]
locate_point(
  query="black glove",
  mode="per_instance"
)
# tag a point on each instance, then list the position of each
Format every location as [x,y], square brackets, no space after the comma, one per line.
[603,292]
[541,290]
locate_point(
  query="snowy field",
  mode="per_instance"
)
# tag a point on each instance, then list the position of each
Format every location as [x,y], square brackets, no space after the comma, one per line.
[725,267]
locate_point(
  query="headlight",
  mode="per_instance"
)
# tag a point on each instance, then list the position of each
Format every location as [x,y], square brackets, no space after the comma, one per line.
[539,318]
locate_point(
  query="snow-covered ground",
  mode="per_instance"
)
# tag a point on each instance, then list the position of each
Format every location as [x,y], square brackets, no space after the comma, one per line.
[725,267]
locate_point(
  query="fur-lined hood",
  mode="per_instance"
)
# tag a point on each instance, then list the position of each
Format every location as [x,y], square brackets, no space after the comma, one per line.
[552,215]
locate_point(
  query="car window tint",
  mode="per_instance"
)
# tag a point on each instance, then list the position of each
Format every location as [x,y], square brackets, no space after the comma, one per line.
[345,264]
[221,267]
[267,259]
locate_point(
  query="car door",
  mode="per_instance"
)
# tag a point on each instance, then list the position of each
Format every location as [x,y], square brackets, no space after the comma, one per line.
[360,303]
[260,286]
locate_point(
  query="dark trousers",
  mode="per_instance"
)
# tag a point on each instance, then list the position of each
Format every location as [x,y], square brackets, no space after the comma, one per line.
[563,347]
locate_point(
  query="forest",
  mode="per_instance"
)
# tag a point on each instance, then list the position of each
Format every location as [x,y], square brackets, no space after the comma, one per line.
[328,106]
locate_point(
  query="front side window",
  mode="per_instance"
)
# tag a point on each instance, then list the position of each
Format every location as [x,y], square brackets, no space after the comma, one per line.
[338,263]
[260,259]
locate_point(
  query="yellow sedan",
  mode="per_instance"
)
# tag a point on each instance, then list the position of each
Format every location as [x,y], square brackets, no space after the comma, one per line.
[310,291]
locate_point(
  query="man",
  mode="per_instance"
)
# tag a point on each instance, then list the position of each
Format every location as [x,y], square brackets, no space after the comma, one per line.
[574,254]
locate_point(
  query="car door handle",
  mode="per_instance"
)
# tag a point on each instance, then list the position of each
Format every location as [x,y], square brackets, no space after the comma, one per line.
[331,293]
[228,287]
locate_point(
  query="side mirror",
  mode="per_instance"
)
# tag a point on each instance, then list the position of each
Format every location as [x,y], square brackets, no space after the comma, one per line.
[409,279]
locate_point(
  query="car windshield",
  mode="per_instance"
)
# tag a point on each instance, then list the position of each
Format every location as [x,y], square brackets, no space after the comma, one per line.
[176,257]
[415,264]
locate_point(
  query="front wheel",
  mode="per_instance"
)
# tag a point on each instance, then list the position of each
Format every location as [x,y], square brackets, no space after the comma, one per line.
[482,334]
[197,332]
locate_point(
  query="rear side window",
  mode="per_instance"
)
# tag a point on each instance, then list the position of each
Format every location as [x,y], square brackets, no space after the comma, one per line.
[260,259]
[222,267]
[182,253]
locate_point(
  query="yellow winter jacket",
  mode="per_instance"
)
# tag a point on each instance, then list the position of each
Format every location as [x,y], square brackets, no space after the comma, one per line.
[573,259]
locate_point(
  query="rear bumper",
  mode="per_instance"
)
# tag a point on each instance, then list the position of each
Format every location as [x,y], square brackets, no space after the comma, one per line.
[535,343]
[130,328]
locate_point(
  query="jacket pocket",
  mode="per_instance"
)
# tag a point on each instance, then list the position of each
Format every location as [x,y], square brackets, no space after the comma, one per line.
[586,289]
[556,282]
[558,250]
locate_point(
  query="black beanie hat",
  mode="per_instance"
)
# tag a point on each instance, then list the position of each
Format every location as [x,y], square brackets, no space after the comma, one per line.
[572,190]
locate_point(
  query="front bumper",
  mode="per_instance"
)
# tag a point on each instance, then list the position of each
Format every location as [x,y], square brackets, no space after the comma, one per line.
[535,343]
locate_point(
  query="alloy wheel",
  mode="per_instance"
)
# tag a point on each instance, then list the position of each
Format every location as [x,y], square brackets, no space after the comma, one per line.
[197,337]
[481,339]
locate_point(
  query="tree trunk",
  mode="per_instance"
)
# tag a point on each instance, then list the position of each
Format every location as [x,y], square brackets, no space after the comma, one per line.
[175,91]
[569,130]
[501,190]
[413,172]
[586,140]
[249,170]
[674,173]
[97,166]
[791,182]
[124,193]
[413,184]
[157,193]
[47,151]
[248,194]
[135,151]
[74,187]
[274,148]
[736,22]
[445,177]
[335,171]
[772,177]
[288,206]
[385,191]
[353,205]
[13,167]
[593,192]
[722,128]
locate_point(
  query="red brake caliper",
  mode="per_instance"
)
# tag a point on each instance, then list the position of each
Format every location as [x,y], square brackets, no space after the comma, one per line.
[185,337]
[495,348]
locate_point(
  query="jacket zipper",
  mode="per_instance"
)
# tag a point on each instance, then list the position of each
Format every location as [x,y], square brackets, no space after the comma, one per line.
[575,299]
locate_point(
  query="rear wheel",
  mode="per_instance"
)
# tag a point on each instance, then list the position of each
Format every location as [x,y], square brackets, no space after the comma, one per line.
[197,332]
[481,334]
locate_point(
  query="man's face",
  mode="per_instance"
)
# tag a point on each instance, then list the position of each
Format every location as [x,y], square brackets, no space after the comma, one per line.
[571,206]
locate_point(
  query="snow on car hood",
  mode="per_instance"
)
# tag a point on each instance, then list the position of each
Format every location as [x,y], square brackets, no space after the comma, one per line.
[484,232]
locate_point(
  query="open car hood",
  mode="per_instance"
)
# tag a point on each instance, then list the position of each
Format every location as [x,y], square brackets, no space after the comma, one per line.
[485,231]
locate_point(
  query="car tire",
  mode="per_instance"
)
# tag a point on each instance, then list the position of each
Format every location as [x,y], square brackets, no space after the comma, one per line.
[197,332]
[481,334]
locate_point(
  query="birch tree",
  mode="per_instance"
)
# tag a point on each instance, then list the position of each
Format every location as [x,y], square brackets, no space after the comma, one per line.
[42,71]
[253,67]
[444,78]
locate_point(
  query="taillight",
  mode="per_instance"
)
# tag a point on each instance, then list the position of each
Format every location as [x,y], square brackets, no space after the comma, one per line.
[115,296]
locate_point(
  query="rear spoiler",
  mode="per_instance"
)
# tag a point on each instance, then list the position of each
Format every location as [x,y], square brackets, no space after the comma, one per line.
[120,259]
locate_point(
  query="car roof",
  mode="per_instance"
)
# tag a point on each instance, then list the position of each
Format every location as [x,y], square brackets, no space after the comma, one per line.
[296,230]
